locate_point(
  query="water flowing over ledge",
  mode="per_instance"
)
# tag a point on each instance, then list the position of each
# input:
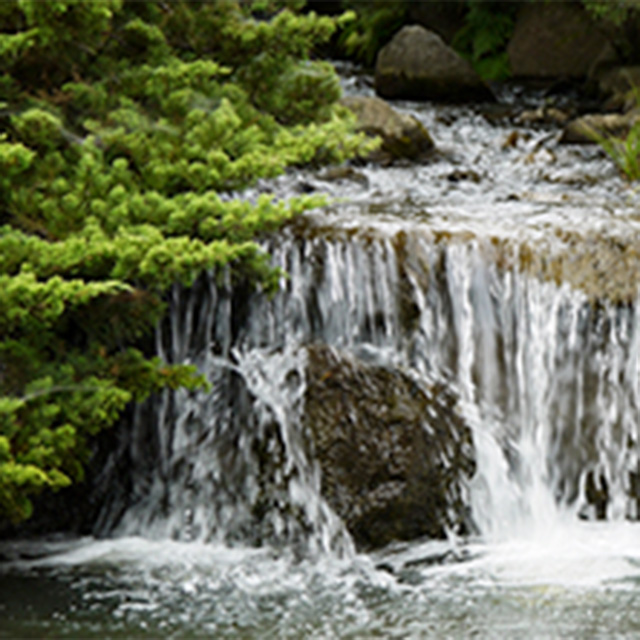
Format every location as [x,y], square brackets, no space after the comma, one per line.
[496,286]
[546,379]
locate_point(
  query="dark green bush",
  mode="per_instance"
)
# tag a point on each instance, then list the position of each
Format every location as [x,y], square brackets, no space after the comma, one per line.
[120,125]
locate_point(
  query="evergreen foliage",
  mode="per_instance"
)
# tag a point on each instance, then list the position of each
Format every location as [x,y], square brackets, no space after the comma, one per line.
[127,131]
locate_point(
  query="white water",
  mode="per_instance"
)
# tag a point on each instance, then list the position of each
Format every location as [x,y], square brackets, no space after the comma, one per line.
[549,385]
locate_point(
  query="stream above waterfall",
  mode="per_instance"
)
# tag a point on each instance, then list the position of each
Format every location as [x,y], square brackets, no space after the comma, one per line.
[502,268]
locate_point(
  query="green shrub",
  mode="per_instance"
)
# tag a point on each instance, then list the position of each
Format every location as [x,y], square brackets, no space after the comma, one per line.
[624,151]
[121,124]
[484,37]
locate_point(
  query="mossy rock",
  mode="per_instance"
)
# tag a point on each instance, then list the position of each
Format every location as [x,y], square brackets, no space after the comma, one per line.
[590,128]
[604,266]
[394,453]
[402,135]
[418,65]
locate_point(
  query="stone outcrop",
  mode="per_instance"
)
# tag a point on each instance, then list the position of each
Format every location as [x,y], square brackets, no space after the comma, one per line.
[554,40]
[605,266]
[402,135]
[418,65]
[393,453]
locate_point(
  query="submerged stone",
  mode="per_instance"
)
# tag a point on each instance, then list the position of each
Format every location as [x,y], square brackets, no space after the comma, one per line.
[394,453]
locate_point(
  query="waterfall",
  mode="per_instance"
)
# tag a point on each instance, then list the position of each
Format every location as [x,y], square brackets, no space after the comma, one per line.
[546,378]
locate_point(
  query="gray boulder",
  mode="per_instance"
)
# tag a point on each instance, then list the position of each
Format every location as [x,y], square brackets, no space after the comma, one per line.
[417,64]
[554,40]
[402,135]
[393,453]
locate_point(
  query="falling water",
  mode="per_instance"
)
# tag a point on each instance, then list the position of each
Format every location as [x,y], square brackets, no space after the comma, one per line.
[219,526]
[546,379]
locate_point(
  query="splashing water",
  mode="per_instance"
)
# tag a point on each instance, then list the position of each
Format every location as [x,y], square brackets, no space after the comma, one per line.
[220,528]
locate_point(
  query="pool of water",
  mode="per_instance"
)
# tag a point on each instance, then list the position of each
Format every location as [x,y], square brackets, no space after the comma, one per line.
[580,580]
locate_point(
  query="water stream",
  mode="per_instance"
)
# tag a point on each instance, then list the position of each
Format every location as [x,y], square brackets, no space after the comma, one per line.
[444,271]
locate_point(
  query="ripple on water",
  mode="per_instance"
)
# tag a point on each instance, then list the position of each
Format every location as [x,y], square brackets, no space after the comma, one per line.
[580,580]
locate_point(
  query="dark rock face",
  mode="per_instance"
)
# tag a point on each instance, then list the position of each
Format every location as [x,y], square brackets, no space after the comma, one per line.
[393,454]
[445,18]
[554,40]
[417,64]
[402,135]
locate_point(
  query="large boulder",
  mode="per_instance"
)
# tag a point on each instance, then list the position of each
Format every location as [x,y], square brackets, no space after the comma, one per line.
[417,64]
[393,453]
[402,135]
[554,40]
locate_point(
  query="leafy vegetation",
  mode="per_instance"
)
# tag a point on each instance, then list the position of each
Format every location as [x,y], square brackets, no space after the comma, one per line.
[484,37]
[620,20]
[373,25]
[616,11]
[127,131]
[486,27]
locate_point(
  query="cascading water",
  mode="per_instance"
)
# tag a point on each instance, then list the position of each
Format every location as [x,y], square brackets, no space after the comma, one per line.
[548,382]
[218,525]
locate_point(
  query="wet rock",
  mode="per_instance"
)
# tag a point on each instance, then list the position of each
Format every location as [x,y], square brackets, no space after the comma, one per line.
[344,174]
[403,135]
[554,40]
[589,128]
[634,493]
[417,64]
[393,453]
[596,493]
[304,186]
[513,139]
[542,115]
[619,86]
[605,267]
